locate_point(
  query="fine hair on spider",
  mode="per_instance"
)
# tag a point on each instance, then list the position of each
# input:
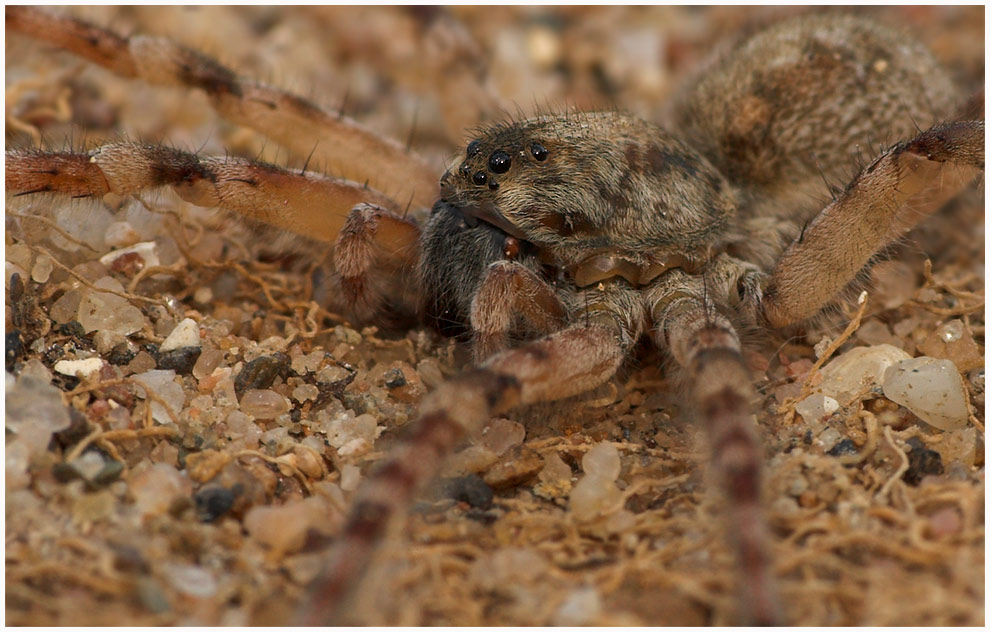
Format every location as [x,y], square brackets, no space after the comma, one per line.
[555,244]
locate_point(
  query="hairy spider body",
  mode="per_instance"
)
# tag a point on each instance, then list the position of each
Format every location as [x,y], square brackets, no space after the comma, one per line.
[559,242]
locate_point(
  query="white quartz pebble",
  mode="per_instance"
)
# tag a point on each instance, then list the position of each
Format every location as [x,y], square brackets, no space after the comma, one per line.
[930,388]
[79,368]
[185,334]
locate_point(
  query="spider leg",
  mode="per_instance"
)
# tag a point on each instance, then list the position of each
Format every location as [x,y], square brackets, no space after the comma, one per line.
[706,345]
[374,255]
[890,196]
[560,365]
[305,203]
[290,120]
[509,289]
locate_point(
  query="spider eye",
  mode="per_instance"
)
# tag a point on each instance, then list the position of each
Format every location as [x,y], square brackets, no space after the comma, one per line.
[480,177]
[539,151]
[473,148]
[499,162]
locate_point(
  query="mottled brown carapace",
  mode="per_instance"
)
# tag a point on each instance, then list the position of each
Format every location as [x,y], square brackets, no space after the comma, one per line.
[555,244]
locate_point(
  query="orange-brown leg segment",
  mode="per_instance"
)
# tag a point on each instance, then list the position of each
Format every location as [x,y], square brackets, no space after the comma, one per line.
[375,256]
[563,364]
[508,290]
[352,151]
[308,204]
[888,198]
[705,344]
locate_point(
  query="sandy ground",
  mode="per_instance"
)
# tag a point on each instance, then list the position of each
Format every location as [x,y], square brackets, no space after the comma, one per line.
[212,518]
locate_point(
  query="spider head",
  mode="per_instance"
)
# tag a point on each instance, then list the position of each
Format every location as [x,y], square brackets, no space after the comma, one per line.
[581,185]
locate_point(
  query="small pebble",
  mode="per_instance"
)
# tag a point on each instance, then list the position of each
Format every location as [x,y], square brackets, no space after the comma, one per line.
[34,411]
[42,269]
[930,388]
[100,311]
[263,404]
[816,407]
[203,295]
[122,354]
[120,235]
[848,375]
[470,489]
[190,579]
[843,448]
[350,477]
[501,435]
[922,462]
[162,383]
[156,487]
[394,378]
[180,360]
[952,341]
[602,461]
[260,373]
[65,308]
[352,435]
[203,466]
[212,502]
[470,460]
[79,368]
[305,392]
[207,362]
[593,496]
[185,334]
[241,428]
[517,466]
[35,368]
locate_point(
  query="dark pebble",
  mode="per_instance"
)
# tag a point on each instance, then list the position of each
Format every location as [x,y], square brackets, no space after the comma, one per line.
[180,360]
[78,428]
[842,448]
[73,329]
[121,354]
[261,372]
[111,471]
[394,378]
[13,349]
[212,502]
[470,489]
[64,473]
[921,462]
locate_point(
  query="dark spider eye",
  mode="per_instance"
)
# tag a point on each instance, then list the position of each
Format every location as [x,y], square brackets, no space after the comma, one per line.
[539,151]
[480,177]
[493,185]
[465,169]
[499,162]
[473,148]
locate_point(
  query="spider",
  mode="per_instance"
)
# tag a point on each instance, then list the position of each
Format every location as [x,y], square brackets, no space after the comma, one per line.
[555,244]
